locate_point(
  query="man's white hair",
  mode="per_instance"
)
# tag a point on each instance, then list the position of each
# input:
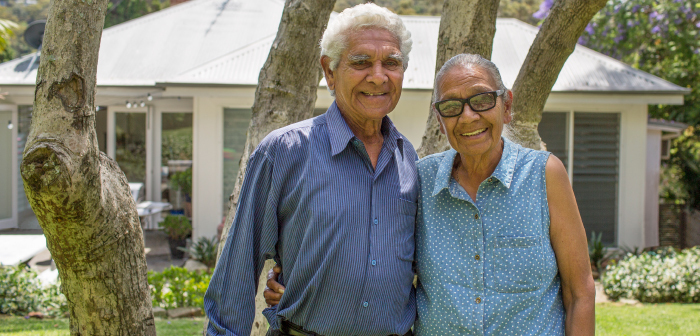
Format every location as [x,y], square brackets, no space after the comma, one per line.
[369,15]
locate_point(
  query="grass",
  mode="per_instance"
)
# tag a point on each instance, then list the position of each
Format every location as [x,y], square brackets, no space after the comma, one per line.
[18,326]
[611,320]
[673,319]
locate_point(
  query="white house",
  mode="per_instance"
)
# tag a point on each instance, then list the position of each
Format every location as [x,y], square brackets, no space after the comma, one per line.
[191,70]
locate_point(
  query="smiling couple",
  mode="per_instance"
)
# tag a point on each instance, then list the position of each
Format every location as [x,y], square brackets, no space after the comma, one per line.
[339,202]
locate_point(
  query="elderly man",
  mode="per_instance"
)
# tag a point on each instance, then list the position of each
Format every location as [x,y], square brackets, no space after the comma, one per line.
[333,201]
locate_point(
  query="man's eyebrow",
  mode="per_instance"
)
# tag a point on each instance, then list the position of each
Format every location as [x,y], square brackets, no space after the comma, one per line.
[396,57]
[360,57]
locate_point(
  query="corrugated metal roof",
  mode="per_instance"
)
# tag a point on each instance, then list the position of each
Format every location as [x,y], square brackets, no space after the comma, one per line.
[226,42]
[164,44]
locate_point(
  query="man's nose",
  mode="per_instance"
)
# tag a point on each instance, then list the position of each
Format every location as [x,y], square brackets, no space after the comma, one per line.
[377,74]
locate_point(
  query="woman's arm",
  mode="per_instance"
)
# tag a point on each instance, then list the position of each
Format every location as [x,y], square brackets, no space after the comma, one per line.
[571,250]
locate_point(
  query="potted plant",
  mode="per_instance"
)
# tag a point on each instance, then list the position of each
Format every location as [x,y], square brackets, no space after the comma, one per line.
[178,228]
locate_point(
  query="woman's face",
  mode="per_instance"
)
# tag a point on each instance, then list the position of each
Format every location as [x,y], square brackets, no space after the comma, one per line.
[473,133]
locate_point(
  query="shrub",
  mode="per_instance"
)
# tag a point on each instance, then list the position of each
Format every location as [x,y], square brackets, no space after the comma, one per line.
[665,275]
[21,292]
[176,226]
[177,287]
[204,251]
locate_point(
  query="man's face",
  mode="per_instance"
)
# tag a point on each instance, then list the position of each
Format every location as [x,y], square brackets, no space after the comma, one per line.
[367,81]
[473,133]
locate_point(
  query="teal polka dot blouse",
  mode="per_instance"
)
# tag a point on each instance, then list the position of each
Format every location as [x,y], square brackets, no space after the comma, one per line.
[486,266]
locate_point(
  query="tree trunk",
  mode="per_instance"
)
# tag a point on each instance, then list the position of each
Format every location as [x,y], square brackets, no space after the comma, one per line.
[465,27]
[286,94]
[550,50]
[79,195]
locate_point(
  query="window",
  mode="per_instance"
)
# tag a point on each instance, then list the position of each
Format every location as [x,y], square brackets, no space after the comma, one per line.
[595,164]
[236,123]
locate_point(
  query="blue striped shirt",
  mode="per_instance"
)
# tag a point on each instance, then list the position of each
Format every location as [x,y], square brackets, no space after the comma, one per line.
[341,230]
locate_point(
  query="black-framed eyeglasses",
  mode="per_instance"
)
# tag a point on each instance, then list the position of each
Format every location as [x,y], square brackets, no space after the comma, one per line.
[478,103]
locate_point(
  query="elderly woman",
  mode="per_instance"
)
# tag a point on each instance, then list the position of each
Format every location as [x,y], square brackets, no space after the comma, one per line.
[500,246]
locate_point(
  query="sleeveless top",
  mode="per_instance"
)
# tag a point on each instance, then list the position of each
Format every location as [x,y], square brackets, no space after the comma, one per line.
[486,266]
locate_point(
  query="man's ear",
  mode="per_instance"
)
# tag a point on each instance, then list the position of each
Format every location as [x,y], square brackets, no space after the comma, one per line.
[327,72]
[508,111]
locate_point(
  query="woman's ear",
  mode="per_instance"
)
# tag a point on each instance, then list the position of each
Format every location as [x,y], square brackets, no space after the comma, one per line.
[508,110]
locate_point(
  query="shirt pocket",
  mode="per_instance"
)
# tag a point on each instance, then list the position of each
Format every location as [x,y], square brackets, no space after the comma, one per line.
[518,264]
[405,221]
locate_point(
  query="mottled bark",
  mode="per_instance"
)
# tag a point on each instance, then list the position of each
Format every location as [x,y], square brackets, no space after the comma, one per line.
[286,93]
[550,50]
[80,196]
[466,26]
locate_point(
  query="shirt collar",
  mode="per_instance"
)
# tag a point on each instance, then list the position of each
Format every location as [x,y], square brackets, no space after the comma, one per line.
[503,173]
[340,133]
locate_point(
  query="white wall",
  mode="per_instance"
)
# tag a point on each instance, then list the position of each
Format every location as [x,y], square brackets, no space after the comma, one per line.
[651,207]
[208,146]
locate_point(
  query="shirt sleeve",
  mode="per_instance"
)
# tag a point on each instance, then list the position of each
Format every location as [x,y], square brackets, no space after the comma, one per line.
[230,299]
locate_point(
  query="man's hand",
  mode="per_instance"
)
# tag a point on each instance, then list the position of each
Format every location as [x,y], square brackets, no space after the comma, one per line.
[274,290]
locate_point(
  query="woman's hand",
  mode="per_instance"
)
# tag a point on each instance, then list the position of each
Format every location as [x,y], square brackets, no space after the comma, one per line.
[274,290]
[568,239]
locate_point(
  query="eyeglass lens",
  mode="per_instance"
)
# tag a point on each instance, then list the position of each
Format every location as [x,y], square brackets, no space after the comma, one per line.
[478,103]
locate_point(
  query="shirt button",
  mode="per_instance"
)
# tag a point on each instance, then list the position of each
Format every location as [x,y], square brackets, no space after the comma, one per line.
[374,263]
[365,304]
[478,300]
[476,216]
[477,257]
[376,221]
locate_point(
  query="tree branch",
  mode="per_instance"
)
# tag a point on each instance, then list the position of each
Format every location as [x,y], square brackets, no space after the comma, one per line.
[554,43]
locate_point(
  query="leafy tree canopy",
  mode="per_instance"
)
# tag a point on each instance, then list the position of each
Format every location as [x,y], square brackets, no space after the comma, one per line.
[656,36]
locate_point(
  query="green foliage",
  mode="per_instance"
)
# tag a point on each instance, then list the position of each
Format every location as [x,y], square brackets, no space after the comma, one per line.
[21,292]
[177,287]
[183,180]
[519,9]
[6,31]
[401,7]
[22,14]
[176,144]
[119,11]
[665,275]
[685,155]
[176,226]
[596,252]
[204,251]
[656,36]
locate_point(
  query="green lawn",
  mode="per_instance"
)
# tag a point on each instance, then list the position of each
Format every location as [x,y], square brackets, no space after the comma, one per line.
[674,319]
[611,320]
[18,326]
